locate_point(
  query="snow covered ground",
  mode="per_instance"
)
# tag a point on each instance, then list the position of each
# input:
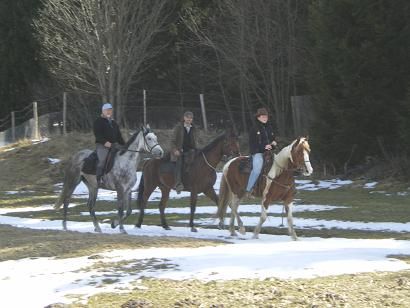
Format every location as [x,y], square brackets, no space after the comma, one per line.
[242,257]
[82,192]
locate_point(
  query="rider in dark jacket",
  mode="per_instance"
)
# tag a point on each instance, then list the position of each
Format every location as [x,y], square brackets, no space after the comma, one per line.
[261,139]
[107,133]
[183,142]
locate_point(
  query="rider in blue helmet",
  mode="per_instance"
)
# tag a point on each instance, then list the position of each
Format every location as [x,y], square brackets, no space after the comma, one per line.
[107,133]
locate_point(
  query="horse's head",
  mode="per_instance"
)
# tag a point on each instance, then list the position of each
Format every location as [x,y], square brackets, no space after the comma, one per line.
[231,144]
[300,155]
[151,144]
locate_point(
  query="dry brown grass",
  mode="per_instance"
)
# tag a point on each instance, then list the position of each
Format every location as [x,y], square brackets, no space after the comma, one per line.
[24,165]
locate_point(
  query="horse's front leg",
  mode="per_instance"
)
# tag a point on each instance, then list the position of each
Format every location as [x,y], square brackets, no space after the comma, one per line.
[262,219]
[162,205]
[92,198]
[122,201]
[127,207]
[194,198]
[292,233]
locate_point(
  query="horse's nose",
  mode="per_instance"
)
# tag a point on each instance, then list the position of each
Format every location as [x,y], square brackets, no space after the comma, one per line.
[159,152]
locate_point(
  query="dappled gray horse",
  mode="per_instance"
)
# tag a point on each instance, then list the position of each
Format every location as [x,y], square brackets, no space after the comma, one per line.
[121,178]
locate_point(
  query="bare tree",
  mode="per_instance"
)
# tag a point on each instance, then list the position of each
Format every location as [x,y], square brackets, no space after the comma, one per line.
[100,46]
[258,38]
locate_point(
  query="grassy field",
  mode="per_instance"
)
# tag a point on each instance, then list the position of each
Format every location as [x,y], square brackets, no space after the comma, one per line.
[26,168]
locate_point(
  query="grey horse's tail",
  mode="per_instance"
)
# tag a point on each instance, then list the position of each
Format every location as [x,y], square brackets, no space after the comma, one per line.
[71,179]
[225,197]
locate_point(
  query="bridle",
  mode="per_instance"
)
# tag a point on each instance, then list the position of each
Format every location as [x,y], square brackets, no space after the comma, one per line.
[146,146]
[206,160]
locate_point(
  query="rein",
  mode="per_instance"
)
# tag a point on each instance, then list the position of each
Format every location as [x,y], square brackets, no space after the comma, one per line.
[207,162]
[139,151]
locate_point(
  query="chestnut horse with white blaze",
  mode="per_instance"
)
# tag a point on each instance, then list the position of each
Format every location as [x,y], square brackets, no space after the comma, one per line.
[277,185]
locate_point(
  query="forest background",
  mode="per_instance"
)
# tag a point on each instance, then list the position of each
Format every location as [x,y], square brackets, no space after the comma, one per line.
[347,60]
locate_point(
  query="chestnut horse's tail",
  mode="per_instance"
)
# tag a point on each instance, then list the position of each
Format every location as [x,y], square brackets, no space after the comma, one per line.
[225,196]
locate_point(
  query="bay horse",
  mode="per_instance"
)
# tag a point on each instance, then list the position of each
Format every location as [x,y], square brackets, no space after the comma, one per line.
[277,185]
[200,178]
[121,178]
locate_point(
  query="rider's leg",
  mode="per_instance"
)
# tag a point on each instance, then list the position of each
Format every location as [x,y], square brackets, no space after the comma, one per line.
[178,175]
[257,163]
[102,153]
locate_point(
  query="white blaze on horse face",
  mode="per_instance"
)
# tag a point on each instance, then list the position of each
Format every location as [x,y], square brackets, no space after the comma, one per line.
[309,169]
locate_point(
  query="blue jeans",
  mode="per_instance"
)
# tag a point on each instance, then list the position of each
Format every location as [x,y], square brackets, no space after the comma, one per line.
[257,163]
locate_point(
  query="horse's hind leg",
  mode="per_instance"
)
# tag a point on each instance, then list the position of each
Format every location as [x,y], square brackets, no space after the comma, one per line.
[162,204]
[142,203]
[92,197]
[194,198]
[234,214]
[68,189]
[291,230]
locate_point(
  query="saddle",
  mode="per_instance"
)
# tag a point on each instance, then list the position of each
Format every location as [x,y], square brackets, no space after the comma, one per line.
[245,167]
[91,161]
[168,165]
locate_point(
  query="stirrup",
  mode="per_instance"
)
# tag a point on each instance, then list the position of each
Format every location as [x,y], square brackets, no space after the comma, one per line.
[179,187]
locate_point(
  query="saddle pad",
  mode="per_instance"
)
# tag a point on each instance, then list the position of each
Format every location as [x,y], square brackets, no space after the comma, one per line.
[90,162]
[245,164]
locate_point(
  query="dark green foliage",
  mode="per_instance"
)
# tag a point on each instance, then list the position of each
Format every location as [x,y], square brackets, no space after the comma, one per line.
[19,65]
[360,77]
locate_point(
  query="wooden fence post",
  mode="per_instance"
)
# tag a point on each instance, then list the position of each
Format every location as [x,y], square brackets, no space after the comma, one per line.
[145,106]
[36,124]
[64,113]
[201,98]
[13,127]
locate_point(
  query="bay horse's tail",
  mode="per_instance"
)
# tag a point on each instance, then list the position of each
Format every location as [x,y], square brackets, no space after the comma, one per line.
[225,197]
[140,191]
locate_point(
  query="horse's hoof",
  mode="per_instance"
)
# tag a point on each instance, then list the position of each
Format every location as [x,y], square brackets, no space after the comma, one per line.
[234,234]
[193,229]
[166,227]
[255,236]
[98,230]
[113,224]
[123,231]
[138,226]
[221,226]
[242,231]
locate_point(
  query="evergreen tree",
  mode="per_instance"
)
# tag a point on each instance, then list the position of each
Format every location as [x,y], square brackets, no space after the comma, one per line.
[19,65]
[359,77]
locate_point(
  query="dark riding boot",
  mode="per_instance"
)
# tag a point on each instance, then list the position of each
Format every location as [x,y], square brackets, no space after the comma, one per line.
[178,176]
[99,174]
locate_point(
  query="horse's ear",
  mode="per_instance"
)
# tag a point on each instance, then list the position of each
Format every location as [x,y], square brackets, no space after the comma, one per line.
[296,143]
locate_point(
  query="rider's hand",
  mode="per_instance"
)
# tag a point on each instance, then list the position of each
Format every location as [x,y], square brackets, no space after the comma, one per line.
[177,153]
[107,144]
[274,143]
[268,147]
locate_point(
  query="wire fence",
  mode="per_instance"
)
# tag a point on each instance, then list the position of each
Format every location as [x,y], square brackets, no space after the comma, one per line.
[162,109]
